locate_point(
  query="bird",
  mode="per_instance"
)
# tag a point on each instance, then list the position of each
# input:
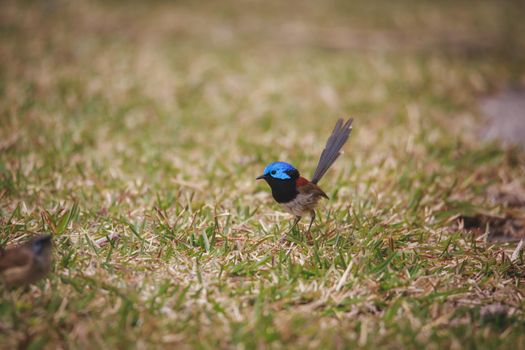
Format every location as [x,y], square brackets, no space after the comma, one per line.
[26,263]
[297,195]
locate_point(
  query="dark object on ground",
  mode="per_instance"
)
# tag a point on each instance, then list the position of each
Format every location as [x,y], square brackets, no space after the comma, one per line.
[508,228]
[26,263]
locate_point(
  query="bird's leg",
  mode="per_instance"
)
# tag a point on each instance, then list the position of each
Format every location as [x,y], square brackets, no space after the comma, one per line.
[308,234]
[296,221]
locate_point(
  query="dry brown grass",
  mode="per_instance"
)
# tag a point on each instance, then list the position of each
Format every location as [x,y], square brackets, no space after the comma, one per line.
[150,122]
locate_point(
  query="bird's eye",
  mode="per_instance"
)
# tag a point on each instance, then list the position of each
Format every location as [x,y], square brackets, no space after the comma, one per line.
[273,172]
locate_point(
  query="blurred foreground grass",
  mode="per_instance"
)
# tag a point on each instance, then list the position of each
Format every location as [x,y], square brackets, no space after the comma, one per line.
[149,122]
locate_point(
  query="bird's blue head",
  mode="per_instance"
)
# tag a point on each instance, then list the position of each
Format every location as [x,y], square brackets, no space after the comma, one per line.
[280,171]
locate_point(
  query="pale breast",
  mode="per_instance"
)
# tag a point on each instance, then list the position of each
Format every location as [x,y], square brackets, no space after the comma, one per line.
[302,204]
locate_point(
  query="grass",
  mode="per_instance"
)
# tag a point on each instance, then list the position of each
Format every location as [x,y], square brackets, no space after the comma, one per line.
[150,122]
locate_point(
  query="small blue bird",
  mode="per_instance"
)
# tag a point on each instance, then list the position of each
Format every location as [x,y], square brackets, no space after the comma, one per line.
[294,193]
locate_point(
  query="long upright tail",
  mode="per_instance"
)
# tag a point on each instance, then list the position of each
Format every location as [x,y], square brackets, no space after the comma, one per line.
[332,150]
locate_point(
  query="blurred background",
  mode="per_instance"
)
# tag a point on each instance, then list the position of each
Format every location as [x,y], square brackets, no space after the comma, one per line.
[148,121]
[91,83]
[147,97]
[343,56]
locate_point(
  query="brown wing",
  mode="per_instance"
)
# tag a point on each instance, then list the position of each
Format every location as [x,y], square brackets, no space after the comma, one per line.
[15,257]
[311,188]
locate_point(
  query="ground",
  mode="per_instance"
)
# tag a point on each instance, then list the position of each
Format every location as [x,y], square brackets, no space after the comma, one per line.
[133,132]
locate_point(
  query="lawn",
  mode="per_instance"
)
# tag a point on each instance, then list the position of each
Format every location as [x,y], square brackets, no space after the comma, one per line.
[133,132]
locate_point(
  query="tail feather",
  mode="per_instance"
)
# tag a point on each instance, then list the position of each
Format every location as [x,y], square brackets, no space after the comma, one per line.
[333,147]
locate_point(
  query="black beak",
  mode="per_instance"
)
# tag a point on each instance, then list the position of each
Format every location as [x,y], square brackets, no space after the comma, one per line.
[259,177]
